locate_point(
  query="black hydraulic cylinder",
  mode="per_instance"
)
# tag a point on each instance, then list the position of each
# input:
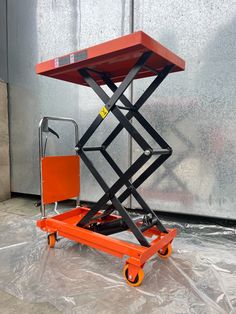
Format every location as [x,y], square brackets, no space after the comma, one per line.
[110,227]
[145,227]
[111,224]
[113,230]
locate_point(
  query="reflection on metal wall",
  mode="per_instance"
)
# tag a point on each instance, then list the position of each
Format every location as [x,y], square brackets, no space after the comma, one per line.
[3,41]
[40,30]
[194,110]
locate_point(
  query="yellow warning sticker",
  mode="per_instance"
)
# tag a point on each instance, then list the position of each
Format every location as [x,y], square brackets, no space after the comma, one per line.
[103,112]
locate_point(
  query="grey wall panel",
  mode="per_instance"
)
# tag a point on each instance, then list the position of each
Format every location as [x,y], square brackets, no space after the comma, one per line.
[43,29]
[3,41]
[195,110]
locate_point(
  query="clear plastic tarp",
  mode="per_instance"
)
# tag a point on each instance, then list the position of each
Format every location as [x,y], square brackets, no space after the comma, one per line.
[199,277]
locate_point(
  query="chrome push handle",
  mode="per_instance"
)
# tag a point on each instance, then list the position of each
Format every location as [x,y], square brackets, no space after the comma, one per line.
[43,127]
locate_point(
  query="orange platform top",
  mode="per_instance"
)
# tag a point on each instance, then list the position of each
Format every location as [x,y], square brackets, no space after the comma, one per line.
[115,57]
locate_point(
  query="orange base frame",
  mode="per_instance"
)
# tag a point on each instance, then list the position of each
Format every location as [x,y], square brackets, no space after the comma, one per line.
[65,225]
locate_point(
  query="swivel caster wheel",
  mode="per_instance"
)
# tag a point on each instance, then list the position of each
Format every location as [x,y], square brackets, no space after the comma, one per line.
[52,238]
[138,278]
[165,252]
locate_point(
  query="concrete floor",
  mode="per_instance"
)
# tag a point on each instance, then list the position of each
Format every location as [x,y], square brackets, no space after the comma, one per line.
[8,303]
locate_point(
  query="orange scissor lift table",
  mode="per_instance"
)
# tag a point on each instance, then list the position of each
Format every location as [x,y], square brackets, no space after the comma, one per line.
[120,60]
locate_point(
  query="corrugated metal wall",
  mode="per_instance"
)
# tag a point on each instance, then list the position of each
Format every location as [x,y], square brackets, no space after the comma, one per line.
[40,30]
[193,110]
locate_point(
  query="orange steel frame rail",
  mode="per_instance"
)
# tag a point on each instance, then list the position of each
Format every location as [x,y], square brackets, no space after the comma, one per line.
[126,58]
[64,225]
